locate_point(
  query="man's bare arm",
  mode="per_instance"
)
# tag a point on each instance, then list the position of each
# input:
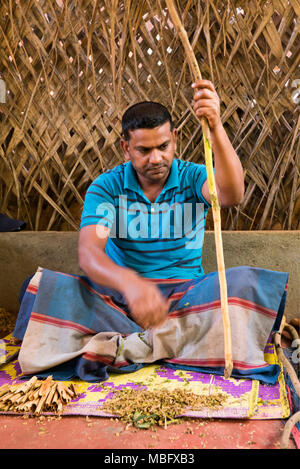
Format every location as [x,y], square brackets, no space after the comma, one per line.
[96,264]
[228,169]
[146,304]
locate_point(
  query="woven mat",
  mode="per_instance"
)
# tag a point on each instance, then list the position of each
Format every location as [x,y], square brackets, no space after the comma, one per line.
[246,399]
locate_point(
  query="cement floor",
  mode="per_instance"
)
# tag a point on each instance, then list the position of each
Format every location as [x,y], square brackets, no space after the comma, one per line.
[78,432]
[17,432]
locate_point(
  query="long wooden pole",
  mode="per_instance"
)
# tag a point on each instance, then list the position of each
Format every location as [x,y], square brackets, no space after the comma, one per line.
[212,191]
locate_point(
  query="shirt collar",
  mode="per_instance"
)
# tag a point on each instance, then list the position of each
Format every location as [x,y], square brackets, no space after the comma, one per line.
[131,182]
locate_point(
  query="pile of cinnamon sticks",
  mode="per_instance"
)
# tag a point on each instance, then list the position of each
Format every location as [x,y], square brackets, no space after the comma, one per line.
[36,396]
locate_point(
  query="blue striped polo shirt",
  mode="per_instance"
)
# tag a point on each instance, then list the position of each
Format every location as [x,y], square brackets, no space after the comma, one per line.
[162,239]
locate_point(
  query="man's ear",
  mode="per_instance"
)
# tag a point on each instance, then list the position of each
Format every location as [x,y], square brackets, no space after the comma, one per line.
[125,148]
[174,135]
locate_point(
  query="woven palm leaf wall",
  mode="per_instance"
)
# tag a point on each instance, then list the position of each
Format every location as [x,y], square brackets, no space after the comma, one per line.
[72,67]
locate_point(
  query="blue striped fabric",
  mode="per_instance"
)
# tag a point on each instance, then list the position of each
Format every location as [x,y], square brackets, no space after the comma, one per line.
[158,240]
[73,327]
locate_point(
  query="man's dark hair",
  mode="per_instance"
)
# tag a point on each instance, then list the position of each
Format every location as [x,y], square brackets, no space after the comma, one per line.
[145,115]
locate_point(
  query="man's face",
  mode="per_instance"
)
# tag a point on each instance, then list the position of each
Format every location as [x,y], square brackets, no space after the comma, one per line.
[151,152]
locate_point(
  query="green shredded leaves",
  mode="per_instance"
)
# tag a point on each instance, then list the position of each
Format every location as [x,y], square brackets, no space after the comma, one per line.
[144,408]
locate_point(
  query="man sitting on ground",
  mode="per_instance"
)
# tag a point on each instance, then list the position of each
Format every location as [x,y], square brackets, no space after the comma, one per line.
[144,297]
[153,176]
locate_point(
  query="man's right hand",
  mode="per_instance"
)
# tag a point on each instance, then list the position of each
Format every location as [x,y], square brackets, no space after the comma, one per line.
[148,307]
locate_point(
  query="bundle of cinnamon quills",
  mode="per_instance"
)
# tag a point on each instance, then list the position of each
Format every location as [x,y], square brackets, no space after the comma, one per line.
[36,396]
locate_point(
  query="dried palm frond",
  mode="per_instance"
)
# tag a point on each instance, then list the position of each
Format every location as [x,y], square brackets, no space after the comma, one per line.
[72,68]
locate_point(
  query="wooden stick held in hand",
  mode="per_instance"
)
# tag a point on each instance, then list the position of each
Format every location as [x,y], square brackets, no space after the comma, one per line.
[212,191]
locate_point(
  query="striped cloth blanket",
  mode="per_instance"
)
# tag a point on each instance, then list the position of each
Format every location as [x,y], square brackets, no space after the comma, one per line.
[71,327]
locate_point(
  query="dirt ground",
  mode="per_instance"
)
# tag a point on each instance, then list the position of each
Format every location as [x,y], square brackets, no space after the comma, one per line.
[17,432]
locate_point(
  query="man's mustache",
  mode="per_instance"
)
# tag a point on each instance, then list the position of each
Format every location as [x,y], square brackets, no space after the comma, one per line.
[159,166]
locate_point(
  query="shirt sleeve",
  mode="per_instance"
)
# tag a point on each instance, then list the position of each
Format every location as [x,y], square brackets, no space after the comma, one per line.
[98,208]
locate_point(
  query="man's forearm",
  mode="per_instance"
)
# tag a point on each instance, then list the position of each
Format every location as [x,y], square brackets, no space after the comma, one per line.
[104,271]
[228,169]
[147,306]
